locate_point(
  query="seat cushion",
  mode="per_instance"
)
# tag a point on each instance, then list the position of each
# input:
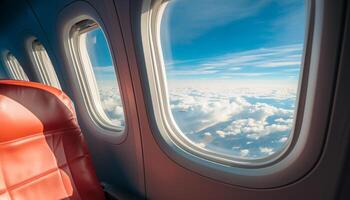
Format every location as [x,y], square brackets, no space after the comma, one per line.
[42,151]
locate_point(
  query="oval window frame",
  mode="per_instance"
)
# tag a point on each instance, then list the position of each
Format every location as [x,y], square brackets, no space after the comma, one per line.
[305,148]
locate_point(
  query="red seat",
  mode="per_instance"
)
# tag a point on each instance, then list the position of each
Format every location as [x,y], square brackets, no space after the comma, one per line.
[42,151]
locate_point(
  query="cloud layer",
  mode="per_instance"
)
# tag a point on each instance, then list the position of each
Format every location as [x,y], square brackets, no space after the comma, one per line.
[238,122]
[244,122]
[111,102]
[274,62]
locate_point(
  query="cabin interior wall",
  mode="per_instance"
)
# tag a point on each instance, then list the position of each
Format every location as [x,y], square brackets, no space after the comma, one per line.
[3,73]
[139,165]
[16,27]
[117,164]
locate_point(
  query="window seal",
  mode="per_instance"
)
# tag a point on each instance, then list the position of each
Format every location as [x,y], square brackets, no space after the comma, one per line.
[176,135]
[14,68]
[46,75]
[85,76]
[307,145]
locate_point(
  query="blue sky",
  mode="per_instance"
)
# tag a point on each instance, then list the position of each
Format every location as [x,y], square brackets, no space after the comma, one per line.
[241,39]
[100,56]
[223,39]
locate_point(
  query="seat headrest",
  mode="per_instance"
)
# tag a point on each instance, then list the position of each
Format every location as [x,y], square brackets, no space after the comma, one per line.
[28,108]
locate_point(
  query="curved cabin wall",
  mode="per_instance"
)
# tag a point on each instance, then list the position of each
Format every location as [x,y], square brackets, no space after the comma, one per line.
[17,24]
[118,162]
[137,164]
[3,74]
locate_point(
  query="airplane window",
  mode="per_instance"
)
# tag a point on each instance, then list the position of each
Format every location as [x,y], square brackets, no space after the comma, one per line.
[98,76]
[232,70]
[15,69]
[44,65]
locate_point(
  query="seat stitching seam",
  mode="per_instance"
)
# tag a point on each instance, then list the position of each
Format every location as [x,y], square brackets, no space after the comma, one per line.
[59,171]
[2,172]
[84,155]
[43,174]
[48,133]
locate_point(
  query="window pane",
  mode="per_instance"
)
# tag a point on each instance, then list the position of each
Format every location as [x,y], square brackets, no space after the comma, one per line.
[15,69]
[46,70]
[104,75]
[232,70]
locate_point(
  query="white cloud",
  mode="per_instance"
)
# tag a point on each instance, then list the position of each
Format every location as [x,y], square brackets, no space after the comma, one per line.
[196,111]
[244,152]
[221,133]
[111,102]
[283,139]
[104,69]
[230,75]
[217,119]
[235,64]
[285,121]
[223,120]
[254,129]
[193,72]
[279,64]
[266,150]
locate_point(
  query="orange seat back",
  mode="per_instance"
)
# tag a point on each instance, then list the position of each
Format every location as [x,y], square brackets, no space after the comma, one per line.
[42,151]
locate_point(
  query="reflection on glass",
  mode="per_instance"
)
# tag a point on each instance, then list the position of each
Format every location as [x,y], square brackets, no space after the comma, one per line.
[232,69]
